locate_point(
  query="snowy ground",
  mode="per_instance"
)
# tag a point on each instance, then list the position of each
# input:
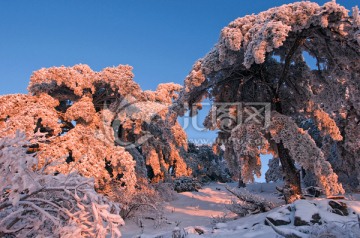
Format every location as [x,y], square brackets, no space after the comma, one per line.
[194,212]
[198,209]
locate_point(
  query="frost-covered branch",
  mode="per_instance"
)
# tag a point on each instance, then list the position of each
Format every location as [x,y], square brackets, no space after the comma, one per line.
[248,203]
[36,204]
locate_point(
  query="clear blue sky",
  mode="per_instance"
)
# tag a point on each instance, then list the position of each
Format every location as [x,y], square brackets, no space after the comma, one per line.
[161,39]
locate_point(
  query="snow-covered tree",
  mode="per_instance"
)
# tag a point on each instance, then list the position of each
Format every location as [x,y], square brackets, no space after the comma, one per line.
[265,58]
[100,123]
[205,164]
[35,204]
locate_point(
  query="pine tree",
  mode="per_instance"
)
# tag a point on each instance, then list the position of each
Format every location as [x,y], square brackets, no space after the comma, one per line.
[100,123]
[263,58]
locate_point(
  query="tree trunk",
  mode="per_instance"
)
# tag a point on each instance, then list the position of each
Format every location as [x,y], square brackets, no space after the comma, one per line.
[292,185]
[241,183]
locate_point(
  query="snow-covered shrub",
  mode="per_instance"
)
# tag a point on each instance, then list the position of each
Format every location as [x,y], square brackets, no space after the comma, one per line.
[166,190]
[335,230]
[248,203]
[34,204]
[221,219]
[186,184]
[144,199]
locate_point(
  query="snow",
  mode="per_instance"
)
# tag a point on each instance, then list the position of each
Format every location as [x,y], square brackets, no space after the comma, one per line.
[205,212]
[281,215]
[305,210]
[220,225]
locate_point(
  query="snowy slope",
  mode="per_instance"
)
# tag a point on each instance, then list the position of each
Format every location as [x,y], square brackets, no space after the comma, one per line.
[204,214]
[198,209]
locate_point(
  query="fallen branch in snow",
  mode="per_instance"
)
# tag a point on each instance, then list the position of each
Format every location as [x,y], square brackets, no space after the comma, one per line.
[248,203]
